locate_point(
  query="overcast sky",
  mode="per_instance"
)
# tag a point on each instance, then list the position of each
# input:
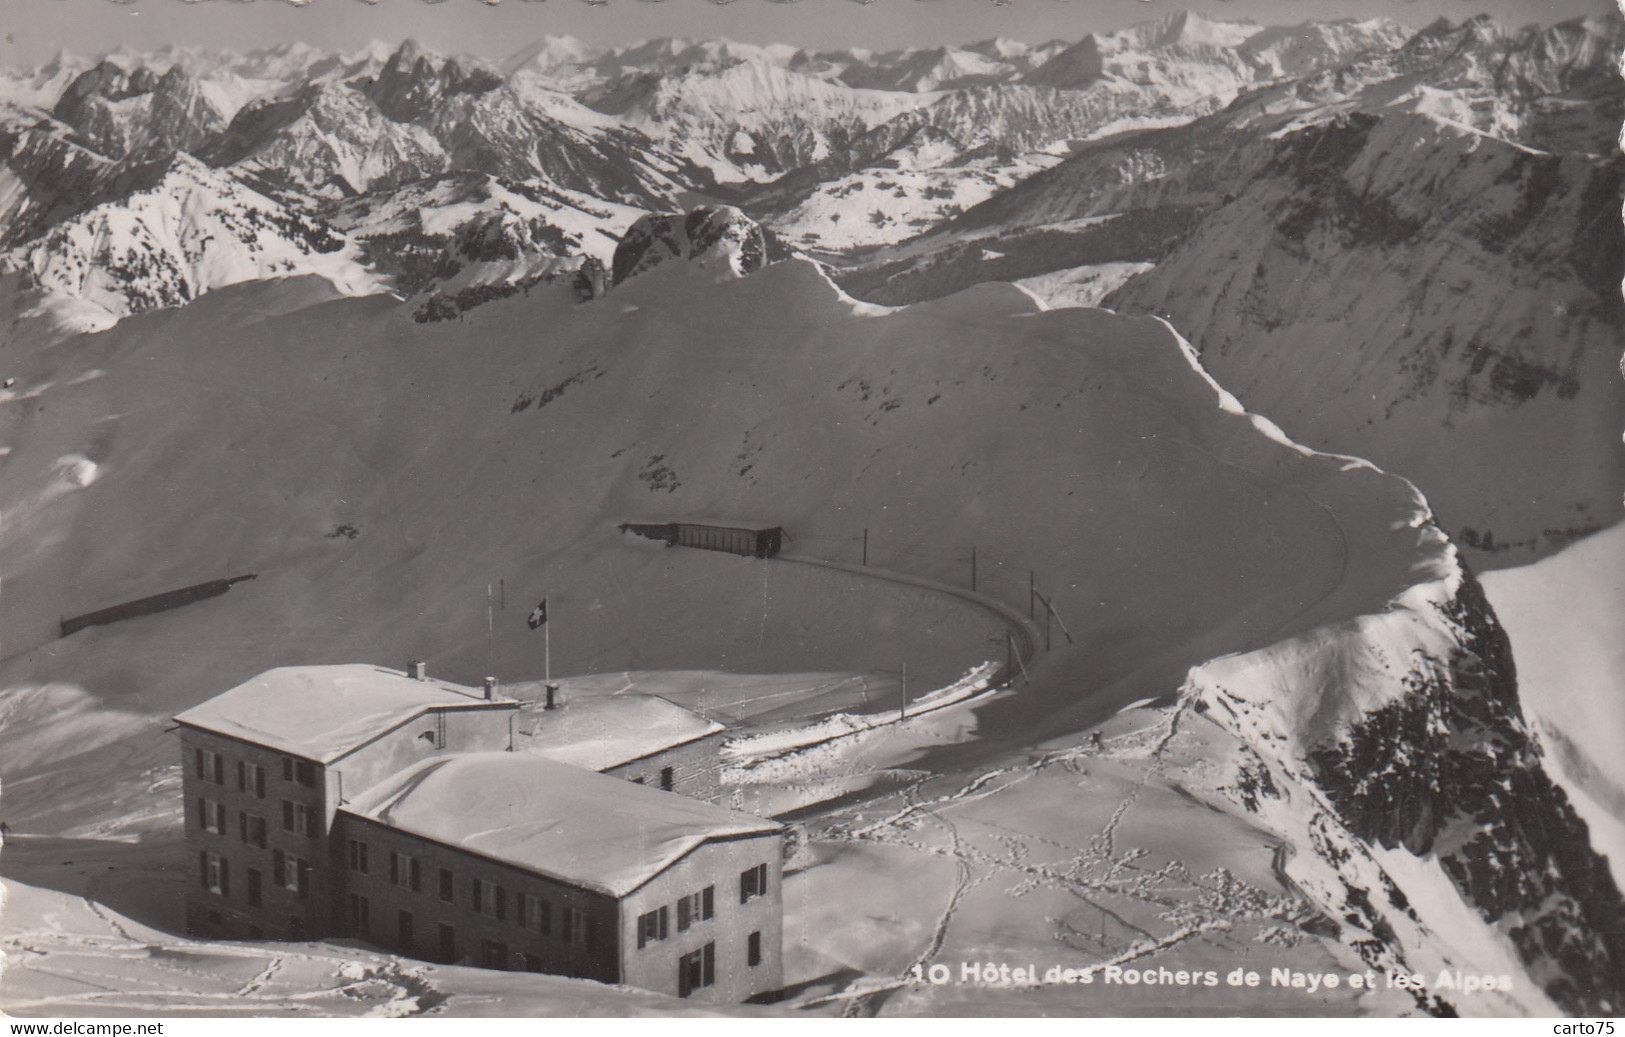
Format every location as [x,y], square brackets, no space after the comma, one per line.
[35,29]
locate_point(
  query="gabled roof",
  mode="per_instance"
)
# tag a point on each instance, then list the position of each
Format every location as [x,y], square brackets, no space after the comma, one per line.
[570,824]
[603,731]
[323,712]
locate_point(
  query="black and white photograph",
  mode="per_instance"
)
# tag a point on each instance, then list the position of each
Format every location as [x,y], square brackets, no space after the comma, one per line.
[821,509]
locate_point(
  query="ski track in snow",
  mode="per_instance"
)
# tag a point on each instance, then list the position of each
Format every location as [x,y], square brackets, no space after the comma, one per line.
[1210,913]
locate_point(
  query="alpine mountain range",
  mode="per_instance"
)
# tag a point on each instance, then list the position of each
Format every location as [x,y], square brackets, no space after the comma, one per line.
[1243,349]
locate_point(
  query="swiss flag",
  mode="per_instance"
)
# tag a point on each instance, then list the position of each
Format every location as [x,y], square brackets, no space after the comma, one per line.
[538,615]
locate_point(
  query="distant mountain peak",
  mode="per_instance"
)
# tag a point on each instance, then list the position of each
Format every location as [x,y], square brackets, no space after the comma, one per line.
[722,238]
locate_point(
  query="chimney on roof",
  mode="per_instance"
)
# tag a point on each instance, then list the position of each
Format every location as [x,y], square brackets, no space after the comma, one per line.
[418,670]
[490,688]
[552,696]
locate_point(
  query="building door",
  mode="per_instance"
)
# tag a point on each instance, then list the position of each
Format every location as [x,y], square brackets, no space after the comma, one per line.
[448,944]
[403,922]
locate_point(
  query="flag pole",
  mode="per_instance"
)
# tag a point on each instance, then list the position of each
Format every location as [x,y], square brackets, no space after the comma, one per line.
[547,653]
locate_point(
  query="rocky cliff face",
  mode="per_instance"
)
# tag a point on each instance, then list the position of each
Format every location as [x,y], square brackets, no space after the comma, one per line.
[723,239]
[1392,752]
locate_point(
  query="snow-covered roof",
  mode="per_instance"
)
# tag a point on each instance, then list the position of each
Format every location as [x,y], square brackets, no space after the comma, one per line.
[323,712]
[570,824]
[599,732]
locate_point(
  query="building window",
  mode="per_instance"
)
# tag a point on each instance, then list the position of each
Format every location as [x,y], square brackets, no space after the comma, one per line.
[404,871]
[299,772]
[358,856]
[211,766]
[493,954]
[697,970]
[490,899]
[448,943]
[667,775]
[753,949]
[652,926]
[533,913]
[696,907]
[574,927]
[403,929]
[359,909]
[254,895]
[290,872]
[251,779]
[251,829]
[752,883]
[297,817]
[211,816]
[446,891]
[216,873]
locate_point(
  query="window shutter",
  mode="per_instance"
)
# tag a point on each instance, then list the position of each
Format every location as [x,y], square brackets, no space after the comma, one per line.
[287,815]
[502,903]
[304,877]
[225,877]
[417,875]
[199,758]
[685,914]
[394,868]
[287,768]
[279,871]
[203,867]
[665,919]
[219,769]
[310,823]
[710,976]
[242,826]
[259,782]
[708,902]
[476,894]
[242,776]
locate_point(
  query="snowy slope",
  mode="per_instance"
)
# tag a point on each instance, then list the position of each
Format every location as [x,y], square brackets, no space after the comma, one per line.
[1564,615]
[548,391]
[1170,526]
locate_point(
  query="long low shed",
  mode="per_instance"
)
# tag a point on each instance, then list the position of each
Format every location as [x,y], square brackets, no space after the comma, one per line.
[739,540]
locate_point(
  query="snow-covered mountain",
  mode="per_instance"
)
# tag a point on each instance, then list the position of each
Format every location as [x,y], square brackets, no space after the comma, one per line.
[388,326]
[189,230]
[754,119]
[514,441]
[1373,265]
